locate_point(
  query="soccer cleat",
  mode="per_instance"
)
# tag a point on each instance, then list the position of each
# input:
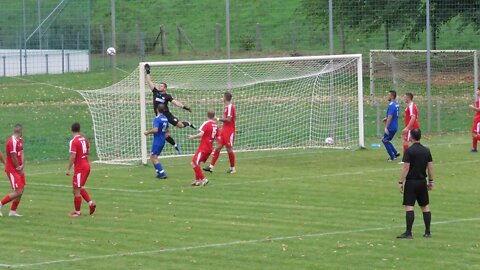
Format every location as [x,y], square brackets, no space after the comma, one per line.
[93,207]
[208,169]
[397,155]
[14,214]
[162,177]
[196,183]
[474,150]
[405,236]
[401,162]
[231,171]
[204,182]
[427,235]
[179,149]
[74,214]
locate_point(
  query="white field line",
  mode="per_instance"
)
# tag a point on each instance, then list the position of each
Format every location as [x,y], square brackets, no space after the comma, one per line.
[227,244]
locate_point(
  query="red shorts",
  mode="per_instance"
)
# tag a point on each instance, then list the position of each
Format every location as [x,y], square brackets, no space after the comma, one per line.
[227,138]
[476,126]
[200,157]
[17,181]
[80,178]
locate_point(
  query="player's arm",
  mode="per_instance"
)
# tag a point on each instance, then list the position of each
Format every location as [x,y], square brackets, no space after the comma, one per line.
[149,77]
[71,160]
[2,158]
[224,119]
[387,123]
[430,175]
[13,155]
[403,176]
[196,136]
[180,105]
[151,131]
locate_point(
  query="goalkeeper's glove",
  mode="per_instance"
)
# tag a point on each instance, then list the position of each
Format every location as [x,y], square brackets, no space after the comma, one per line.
[187,108]
[147,68]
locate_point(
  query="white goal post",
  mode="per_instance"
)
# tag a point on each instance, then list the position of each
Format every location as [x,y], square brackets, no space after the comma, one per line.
[281,103]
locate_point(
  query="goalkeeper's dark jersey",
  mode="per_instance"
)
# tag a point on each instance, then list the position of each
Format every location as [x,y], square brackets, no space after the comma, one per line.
[159,98]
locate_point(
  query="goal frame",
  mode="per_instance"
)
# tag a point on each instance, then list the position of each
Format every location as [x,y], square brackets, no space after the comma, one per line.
[142,85]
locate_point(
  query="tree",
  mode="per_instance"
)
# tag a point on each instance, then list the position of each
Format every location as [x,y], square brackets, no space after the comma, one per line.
[442,12]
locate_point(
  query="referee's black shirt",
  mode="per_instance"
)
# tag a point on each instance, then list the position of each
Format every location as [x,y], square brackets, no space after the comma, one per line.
[418,156]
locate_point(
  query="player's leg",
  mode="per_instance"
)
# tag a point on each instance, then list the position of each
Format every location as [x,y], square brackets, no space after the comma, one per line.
[424,201]
[475,135]
[387,142]
[406,139]
[17,187]
[409,198]
[156,150]
[84,193]
[216,154]
[173,121]
[177,123]
[77,197]
[200,179]
[16,201]
[231,154]
[196,168]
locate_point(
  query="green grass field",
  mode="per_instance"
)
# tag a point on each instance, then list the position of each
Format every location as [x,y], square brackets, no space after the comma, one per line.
[302,209]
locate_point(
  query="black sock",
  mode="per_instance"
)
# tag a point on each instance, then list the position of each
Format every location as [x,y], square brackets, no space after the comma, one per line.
[427,218]
[409,217]
[186,124]
[170,140]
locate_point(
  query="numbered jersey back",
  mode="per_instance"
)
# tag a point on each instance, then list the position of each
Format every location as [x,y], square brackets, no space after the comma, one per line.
[210,130]
[81,148]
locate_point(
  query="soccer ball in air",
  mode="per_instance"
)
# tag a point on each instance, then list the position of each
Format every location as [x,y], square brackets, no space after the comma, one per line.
[329,140]
[111,51]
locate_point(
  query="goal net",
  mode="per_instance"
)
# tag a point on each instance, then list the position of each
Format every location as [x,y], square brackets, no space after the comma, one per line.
[454,77]
[281,103]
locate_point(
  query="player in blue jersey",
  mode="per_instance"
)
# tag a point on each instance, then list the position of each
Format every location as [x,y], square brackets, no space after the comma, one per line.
[391,125]
[160,132]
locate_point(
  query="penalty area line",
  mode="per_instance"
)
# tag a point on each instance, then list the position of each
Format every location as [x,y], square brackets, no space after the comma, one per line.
[226,244]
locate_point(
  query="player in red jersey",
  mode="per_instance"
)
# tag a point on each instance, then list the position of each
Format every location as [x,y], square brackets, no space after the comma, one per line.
[476,121]
[411,119]
[14,167]
[227,135]
[208,133]
[79,151]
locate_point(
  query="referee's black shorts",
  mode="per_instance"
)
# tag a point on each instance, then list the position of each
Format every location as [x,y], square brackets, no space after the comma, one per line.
[171,118]
[415,190]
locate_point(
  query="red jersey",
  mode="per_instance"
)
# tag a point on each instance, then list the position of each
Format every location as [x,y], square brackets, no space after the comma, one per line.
[209,129]
[14,145]
[229,111]
[409,112]
[81,148]
[477,105]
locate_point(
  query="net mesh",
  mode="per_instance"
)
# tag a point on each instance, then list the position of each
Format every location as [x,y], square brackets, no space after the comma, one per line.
[280,104]
[452,83]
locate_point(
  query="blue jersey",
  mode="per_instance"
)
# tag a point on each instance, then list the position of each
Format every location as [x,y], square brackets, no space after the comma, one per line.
[160,122]
[393,109]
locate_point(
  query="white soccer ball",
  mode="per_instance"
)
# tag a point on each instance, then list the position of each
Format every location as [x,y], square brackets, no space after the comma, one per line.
[329,140]
[111,51]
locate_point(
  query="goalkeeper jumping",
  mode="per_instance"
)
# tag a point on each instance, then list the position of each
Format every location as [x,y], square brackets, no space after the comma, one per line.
[160,96]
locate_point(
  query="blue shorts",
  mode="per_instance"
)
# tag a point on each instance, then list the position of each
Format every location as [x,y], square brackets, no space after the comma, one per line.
[390,136]
[157,149]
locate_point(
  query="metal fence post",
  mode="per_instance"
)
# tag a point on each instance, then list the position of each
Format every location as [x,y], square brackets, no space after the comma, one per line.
[258,37]
[4,66]
[46,63]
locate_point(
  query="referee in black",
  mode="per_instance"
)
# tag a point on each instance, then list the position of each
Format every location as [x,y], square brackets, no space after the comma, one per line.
[417,161]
